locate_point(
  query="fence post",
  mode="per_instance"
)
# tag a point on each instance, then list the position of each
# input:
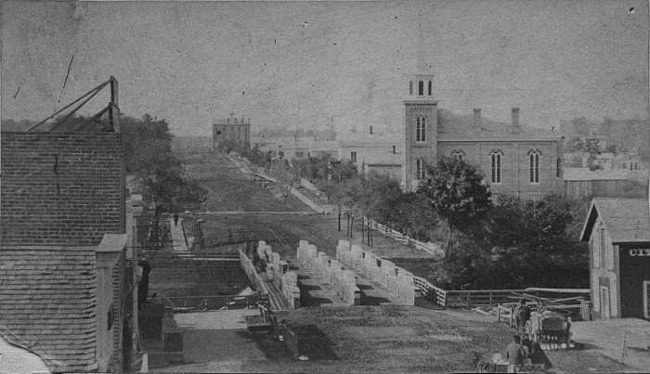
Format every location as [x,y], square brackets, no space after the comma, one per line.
[490,298]
[499,313]
[468,300]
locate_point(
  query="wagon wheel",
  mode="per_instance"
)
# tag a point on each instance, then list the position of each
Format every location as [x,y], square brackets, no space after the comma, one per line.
[530,332]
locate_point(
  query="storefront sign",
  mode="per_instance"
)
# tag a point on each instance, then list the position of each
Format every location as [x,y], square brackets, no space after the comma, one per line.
[638,252]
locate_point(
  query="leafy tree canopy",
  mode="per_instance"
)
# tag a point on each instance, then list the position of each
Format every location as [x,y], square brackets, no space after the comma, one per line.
[456,192]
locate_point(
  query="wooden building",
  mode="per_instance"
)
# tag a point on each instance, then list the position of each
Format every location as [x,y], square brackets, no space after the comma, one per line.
[618,232]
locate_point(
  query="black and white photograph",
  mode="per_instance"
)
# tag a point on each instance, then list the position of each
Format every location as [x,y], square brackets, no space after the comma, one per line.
[320,186]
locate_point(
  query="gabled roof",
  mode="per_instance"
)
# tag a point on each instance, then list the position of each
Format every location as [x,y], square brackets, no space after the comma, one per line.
[626,220]
[48,303]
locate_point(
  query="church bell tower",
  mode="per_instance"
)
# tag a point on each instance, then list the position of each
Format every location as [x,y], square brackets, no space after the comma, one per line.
[420,130]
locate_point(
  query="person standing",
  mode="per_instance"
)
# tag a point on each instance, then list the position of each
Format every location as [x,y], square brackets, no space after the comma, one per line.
[523,315]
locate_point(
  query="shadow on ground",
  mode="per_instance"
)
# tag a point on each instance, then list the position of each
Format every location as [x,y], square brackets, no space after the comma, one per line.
[314,344]
[266,342]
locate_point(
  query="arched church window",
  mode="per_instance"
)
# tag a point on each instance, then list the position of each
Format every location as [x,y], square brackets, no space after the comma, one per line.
[496,163]
[420,168]
[420,129]
[458,154]
[411,88]
[430,86]
[421,88]
[533,165]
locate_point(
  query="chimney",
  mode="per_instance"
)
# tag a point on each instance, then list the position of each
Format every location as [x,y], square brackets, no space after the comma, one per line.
[477,118]
[516,127]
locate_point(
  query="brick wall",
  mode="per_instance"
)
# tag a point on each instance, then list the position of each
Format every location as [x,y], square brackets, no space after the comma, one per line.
[61,189]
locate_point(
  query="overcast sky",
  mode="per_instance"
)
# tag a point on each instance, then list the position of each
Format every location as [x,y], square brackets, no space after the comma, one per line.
[312,64]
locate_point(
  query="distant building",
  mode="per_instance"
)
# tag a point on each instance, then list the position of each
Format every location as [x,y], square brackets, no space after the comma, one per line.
[515,159]
[618,232]
[297,147]
[373,153]
[68,272]
[233,131]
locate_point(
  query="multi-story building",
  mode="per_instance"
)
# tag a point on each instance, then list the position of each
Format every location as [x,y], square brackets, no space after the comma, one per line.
[67,277]
[515,159]
[231,131]
[618,232]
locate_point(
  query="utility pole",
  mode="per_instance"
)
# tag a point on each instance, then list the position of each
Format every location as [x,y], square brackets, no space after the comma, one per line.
[114,109]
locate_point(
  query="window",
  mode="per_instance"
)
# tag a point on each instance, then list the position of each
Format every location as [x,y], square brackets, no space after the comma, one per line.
[430,86]
[595,250]
[420,129]
[533,166]
[558,167]
[371,129]
[496,157]
[420,171]
[353,156]
[300,154]
[411,88]
[394,150]
[420,88]
[458,154]
[602,248]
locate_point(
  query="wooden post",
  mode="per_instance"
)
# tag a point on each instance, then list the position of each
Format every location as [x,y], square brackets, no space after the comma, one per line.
[498,312]
[114,109]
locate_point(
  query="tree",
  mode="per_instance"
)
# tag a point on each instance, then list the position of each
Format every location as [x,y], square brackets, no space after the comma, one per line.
[455,191]
[532,240]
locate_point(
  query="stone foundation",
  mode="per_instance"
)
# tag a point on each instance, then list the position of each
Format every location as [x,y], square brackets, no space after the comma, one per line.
[397,281]
[329,271]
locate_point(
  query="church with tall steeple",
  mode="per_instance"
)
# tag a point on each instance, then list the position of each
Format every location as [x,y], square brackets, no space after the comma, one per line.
[515,159]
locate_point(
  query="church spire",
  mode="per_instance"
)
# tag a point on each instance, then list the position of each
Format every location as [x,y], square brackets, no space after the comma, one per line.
[421,64]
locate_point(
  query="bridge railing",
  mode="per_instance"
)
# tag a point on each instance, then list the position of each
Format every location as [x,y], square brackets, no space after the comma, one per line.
[439,296]
[201,303]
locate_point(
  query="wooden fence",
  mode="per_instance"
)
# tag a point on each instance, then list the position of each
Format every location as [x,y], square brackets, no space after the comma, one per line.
[432,248]
[491,298]
[437,295]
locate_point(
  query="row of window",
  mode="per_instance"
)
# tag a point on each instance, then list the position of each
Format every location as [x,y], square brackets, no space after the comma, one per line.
[496,160]
[420,88]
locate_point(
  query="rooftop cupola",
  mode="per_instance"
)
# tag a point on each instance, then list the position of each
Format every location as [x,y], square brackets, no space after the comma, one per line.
[421,86]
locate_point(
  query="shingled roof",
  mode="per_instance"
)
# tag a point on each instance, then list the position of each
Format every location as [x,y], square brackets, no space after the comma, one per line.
[626,220]
[48,303]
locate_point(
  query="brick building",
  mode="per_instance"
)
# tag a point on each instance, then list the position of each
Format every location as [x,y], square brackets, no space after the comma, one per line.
[515,159]
[618,232]
[66,280]
[231,130]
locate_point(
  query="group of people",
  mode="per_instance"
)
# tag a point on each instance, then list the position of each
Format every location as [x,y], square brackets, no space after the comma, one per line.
[523,352]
